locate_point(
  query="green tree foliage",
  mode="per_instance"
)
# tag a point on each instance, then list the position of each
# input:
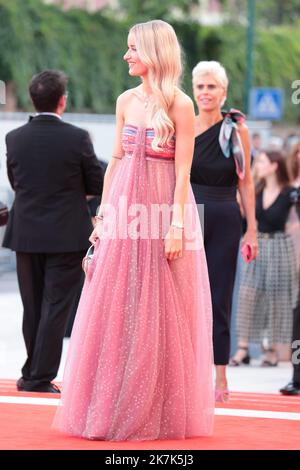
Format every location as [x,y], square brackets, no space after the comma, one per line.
[277,12]
[139,10]
[268,12]
[90,48]
[35,36]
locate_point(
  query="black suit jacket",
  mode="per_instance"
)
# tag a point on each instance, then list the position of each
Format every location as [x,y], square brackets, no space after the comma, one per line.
[51,166]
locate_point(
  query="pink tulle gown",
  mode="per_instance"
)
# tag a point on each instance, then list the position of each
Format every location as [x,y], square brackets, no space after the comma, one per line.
[139,364]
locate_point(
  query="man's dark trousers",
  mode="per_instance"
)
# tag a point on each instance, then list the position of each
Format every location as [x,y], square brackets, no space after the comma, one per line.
[52,167]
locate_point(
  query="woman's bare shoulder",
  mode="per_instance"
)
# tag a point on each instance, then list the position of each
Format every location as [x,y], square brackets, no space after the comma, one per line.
[182,101]
[127,95]
[182,107]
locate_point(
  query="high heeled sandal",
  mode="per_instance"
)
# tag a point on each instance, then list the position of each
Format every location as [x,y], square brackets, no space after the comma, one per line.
[267,362]
[245,360]
[221,395]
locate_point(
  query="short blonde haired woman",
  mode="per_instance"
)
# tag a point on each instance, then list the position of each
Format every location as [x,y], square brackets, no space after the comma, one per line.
[140,360]
[221,166]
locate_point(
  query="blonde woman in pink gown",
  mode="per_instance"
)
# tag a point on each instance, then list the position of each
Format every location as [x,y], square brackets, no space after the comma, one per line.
[139,364]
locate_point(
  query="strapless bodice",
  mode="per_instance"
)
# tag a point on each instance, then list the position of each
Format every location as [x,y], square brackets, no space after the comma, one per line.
[134,138]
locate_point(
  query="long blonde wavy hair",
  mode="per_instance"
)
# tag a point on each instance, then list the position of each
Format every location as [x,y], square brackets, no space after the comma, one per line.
[159,50]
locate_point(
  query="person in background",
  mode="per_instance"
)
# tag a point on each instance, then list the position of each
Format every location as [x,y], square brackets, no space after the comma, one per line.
[293,387]
[256,144]
[221,167]
[93,205]
[51,166]
[276,143]
[294,164]
[269,286]
[290,141]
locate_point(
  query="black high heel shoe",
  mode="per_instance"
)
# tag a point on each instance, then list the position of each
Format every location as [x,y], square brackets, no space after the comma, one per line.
[266,362]
[245,360]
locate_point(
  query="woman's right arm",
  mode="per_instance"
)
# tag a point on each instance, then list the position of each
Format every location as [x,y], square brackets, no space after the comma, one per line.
[112,166]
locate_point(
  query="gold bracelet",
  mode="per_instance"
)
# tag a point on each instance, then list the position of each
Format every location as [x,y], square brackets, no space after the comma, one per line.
[118,158]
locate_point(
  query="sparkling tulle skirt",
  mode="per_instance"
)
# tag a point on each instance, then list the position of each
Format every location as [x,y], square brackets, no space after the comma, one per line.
[139,364]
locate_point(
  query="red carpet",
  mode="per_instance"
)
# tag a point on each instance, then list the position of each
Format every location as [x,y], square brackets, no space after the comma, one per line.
[28,426]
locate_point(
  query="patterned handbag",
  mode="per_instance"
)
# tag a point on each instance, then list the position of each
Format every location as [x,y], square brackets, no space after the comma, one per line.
[3,214]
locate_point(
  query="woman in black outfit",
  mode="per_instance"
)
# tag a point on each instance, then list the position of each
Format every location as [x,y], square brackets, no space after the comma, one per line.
[221,165]
[269,286]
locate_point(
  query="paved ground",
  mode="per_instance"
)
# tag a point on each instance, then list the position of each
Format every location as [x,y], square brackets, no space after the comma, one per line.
[12,350]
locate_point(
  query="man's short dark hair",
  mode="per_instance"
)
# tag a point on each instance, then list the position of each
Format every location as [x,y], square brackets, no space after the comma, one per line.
[46,89]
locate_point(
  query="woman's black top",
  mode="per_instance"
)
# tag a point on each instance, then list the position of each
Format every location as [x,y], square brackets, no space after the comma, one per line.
[273,219]
[210,167]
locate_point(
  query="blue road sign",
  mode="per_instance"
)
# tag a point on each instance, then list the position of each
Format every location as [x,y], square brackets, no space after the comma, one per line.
[266,103]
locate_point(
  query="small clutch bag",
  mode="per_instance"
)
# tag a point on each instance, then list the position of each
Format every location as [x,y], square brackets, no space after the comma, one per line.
[246,253]
[3,214]
[87,261]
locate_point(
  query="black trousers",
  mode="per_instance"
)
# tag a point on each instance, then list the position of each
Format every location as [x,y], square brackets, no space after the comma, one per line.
[222,233]
[48,283]
[296,350]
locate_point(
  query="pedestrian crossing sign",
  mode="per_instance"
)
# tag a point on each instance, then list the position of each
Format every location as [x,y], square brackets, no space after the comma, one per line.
[266,103]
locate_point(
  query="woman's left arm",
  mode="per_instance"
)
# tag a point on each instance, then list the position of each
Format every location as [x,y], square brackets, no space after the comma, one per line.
[247,194]
[183,117]
[184,120]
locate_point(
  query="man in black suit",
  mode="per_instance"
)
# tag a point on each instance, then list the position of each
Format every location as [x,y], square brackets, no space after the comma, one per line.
[51,166]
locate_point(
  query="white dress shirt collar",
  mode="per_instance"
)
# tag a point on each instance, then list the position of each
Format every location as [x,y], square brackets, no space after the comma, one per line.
[49,114]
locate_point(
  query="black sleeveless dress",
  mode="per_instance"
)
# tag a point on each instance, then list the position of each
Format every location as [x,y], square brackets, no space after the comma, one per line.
[214,182]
